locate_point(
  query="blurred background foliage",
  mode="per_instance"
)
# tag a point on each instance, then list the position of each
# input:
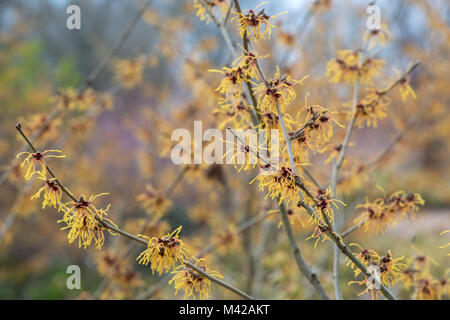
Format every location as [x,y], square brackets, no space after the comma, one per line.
[121,149]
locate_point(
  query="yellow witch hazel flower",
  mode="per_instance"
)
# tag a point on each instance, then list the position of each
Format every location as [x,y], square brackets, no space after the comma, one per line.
[431,289]
[191,282]
[390,269]
[162,253]
[384,269]
[321,130]
[36,162]
[73,99]
[111,265]
[325,204]
[154,201]
[218,8]
[80,218]
[445,245]
[374,217]
[316,127]
[404,203]
[52,193]
[324,216]
[231,84]
[249,62]
[129,72]
[346,67]
[247,155]
[243,69]
[227,240]
[235,113]
[301,145]
[280,184]
[404,87]
[270,120]
[320,232]
[418,276]
[373,107]
[370,68]
[66,98]
[366,256]
[376,36]
[256,24]
[279,90]
[385,212]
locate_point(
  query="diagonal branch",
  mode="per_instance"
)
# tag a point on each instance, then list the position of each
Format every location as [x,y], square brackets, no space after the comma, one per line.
[128,235]
[244,226]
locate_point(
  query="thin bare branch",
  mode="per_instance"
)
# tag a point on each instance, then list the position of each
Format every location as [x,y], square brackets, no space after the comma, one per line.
[307,271]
